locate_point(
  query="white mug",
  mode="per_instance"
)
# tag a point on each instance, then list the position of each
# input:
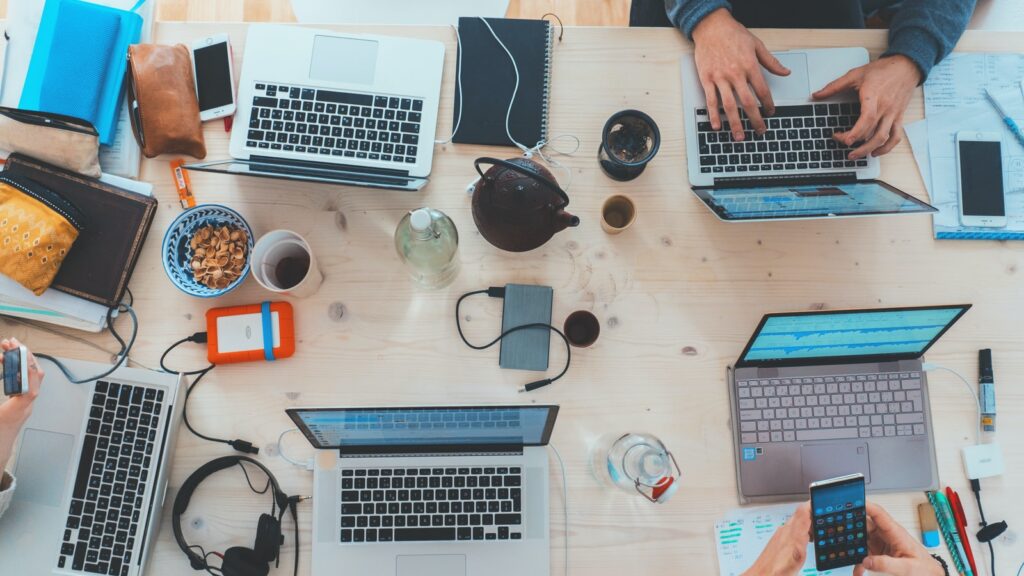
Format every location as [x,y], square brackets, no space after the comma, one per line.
[280,248]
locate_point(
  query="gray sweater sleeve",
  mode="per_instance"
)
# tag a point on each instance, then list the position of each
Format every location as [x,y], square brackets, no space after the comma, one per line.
[686,14]
[926,30]
[7,485]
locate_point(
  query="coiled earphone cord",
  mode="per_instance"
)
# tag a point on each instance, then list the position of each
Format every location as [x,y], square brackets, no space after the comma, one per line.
[499,292]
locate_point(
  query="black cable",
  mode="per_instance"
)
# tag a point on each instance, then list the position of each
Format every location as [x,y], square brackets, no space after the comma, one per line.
[976,488]
[499,292]
[122,355]
[200,338]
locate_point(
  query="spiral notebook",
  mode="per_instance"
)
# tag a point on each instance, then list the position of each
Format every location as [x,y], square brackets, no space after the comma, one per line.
[488,79]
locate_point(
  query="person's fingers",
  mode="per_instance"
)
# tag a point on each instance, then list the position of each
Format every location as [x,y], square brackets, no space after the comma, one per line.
[889,565]
[845,82]
[858,570]
[750,106]
[862,130]
[895,137]
[764,94]
[769,61]
[880,516]
[877,140]
[731,112]
[711,95]
[36,374]
[801,519]
[6,345]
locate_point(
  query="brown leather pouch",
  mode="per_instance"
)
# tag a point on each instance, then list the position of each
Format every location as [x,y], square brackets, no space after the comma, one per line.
[162,96]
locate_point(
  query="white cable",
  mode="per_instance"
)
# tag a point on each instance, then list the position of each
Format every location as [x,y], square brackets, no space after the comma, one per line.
[565,503]
[928,366]
[515,89]
[458,82]
[308,464]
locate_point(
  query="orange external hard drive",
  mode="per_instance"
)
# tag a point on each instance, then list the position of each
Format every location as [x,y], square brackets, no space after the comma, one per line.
[248,333]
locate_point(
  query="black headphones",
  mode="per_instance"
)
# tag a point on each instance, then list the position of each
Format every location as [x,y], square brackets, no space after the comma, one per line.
[238,560]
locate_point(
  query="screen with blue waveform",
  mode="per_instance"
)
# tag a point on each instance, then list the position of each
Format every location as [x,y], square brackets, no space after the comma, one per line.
[849,334]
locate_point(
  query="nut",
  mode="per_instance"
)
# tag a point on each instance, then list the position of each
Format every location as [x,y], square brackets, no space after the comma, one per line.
[218,255]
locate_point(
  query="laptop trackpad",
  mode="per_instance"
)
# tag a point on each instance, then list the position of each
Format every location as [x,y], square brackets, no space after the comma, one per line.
[43,460]
[796,86]
[432,565]
[828,460]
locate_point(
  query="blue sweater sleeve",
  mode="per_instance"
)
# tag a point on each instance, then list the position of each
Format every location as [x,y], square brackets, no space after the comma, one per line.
[686,14]
[926,30]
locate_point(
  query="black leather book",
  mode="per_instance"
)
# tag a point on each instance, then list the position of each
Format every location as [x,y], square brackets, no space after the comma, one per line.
[488,79]
[116,222]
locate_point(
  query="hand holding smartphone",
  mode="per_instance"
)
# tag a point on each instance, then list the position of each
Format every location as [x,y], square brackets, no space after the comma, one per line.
[839,522]
[980,179]
[211,64]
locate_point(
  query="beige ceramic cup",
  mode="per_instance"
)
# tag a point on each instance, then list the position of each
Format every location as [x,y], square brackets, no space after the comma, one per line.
[617,214]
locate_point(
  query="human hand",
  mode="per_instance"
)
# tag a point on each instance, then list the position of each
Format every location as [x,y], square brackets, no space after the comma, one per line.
[16,409]
[729,60]
[892,550]
[785,553]
[884,88]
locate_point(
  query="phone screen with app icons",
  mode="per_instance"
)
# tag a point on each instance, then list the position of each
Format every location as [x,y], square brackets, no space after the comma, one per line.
[839,522]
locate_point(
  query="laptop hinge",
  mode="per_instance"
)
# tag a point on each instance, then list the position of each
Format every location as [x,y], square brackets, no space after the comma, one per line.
[328,166]
[785,180]
[430,451]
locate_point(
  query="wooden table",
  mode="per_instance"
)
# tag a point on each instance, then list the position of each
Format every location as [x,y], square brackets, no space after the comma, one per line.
[677,295]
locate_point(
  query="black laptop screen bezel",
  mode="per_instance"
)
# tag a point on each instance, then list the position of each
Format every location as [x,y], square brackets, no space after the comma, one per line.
[549,426]
[853,359]
[702,194]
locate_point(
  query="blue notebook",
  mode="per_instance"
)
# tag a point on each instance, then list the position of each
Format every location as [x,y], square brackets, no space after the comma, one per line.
[79,60]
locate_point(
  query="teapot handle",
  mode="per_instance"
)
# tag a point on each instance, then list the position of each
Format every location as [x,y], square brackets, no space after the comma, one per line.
[522,170]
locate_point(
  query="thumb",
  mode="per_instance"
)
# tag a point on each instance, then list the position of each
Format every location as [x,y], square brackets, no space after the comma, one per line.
[890,565]
[769,61]
[844,82]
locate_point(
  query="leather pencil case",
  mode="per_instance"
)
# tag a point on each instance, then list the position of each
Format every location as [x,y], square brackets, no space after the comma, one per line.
[162,96]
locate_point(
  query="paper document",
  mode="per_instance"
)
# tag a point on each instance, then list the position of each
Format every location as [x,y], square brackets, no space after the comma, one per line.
[741,536]
[962,77]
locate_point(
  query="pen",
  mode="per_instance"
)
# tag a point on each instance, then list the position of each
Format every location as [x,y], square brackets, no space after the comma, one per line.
[987,390]
[961,525]
[1014,128]
[945,514]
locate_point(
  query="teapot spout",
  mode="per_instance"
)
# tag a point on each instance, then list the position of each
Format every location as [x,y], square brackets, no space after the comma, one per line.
[566,220]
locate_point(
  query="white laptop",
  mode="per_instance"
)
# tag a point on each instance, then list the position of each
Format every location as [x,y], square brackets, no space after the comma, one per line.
[796,170]
[91,472]
[430,491]
[338,108]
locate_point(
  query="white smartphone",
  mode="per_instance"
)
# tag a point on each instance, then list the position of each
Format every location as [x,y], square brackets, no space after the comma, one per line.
[211,65]
[979,166]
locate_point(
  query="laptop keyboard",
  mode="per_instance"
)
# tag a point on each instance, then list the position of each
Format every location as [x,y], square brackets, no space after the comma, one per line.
[113,473]
[430,504]
[335,124]
[798,138]
[831,408]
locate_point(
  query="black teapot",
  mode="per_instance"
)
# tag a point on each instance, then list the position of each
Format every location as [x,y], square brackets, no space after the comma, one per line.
[518,205]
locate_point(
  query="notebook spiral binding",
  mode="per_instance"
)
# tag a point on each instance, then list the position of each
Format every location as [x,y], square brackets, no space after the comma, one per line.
[546,97]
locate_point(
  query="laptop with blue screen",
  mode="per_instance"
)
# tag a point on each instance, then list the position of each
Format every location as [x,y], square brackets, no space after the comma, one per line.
[817,395]
[430,491]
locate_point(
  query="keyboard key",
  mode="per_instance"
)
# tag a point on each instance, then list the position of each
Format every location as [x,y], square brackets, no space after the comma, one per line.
[424,534]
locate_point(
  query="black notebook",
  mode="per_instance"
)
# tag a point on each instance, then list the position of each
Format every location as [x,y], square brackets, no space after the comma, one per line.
[488,79]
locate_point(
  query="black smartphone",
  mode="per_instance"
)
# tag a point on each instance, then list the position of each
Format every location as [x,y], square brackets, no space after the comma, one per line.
[15,371]
[839,522]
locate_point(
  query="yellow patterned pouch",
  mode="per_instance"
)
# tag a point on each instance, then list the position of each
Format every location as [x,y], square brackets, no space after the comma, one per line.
[37,229]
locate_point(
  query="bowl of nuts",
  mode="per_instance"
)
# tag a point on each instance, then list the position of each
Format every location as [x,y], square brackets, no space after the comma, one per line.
[206,250]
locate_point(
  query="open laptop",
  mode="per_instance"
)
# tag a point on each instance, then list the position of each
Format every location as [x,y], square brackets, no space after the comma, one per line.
[796,170]
[338,108]
[817,395]
[91,472]
[430,491]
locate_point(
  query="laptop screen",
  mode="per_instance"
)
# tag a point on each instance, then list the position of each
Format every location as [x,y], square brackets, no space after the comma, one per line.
[418,428]
[866,335]
[810,201]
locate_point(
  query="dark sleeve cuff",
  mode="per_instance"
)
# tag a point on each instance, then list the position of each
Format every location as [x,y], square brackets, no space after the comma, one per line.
[686,14]
[917,44]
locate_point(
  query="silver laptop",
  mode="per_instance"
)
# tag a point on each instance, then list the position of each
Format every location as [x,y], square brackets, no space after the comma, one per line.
[430,491]
[823,394]
[796,169]
[91,472]
[337,108]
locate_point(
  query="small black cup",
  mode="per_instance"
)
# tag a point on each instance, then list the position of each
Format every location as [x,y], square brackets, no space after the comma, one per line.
[629,141]
[582,328]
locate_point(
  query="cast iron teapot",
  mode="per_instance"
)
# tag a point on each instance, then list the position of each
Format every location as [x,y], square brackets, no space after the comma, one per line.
[517,205]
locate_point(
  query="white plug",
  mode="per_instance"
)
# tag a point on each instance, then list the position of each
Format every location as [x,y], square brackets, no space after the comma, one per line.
[983,461]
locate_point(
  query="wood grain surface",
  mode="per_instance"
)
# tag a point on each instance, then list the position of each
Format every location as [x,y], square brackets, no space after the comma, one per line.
[677,294]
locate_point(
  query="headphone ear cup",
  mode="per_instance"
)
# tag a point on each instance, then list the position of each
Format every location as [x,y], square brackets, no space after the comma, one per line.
[268,538]
[240,561]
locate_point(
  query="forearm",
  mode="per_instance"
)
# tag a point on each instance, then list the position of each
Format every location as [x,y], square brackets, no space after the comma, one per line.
[686,14]
[926,30]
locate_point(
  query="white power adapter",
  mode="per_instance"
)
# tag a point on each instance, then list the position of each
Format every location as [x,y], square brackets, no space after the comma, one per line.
[983,461]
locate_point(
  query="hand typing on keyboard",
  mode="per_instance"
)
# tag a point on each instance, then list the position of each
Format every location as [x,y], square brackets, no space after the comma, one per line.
[884,88]
[16,409]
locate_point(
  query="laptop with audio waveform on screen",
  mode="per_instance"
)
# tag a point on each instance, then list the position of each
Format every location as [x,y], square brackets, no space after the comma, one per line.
[817,395]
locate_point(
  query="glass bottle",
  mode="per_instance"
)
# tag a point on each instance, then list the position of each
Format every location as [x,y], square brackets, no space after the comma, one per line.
[428,243]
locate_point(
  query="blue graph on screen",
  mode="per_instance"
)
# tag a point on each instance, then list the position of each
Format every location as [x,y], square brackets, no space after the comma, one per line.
[851,334]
